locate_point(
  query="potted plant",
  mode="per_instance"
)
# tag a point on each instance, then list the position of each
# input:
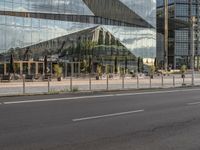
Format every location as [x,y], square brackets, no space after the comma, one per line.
[58,72]
[183,70]
[151,71]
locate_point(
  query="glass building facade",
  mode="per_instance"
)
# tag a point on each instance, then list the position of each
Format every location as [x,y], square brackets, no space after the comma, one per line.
[180,39]
[75,30]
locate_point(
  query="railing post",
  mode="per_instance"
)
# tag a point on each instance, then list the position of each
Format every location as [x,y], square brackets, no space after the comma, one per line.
[107,88]
[48,85]
[150,82]
[71,83]
[90,83]
[123,81]
[24,88]
[138,82]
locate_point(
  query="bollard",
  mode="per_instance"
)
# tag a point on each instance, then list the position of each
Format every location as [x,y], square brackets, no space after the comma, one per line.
[162,78]
[138,82]
[90,83]
[71,84]
[122,81]
[23,85]
[107,88]
[174,83]
[48,85]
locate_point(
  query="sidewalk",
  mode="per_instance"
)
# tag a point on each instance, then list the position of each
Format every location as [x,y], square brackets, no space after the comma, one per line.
[83,84]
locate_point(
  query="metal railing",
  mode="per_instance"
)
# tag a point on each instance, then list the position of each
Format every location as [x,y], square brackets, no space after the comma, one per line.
[90,83]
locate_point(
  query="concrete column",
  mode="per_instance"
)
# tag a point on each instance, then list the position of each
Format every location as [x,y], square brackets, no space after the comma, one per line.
[21,68]
[174,62]
[36,68]
[79,68]
[198,62]
[51,68]
[76,68]
[72,69]
[29,68]
[92,67]
[43,68]
[5,70]
[65,65]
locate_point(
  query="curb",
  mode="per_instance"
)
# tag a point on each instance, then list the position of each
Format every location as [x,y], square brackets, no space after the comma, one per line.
[99,92]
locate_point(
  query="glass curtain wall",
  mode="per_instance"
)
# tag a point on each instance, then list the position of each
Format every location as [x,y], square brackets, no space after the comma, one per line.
[28,37]
[179,40]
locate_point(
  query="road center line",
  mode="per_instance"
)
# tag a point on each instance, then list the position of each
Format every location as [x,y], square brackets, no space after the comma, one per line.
[106,116]
[195,103]
[96,96]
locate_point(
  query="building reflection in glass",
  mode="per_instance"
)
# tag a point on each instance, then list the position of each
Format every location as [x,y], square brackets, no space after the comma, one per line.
[87,39]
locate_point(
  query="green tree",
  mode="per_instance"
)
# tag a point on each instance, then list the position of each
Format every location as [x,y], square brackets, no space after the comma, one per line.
[156,64]
[107,39]
[100,41]
[88,46]
[113,40]
[99,70]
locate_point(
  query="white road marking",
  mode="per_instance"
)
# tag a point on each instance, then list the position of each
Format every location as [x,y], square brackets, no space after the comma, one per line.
[157,92]
[96,96]
[108,115]
[195,103]
[56,99]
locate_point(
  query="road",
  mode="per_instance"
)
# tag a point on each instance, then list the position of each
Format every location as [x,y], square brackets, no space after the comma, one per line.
[162,120]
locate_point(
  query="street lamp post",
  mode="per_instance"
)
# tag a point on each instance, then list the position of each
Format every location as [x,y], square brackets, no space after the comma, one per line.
[166,34]
[198,25]
[193,22]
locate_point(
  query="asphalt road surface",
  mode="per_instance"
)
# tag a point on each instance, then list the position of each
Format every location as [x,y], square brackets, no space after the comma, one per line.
[163,120]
